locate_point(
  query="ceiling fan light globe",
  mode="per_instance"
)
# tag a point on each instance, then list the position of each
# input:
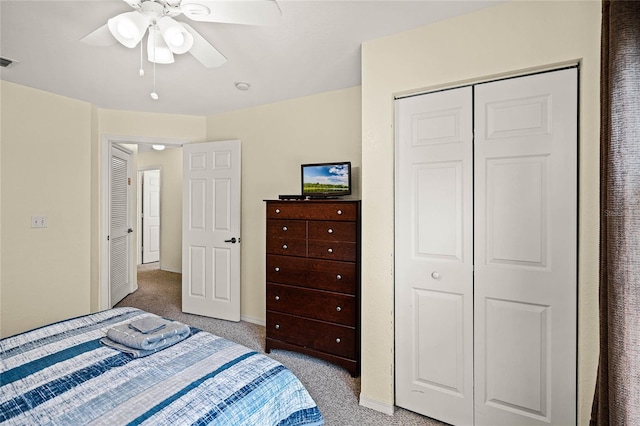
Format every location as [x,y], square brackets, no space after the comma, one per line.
[125,30]
[157,49]
[177,38]
[128,28]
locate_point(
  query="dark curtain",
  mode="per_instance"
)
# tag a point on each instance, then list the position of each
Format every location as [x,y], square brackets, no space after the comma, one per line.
[617,396]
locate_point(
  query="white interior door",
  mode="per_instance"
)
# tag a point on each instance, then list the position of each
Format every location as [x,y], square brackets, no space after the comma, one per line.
[151,216]
[211,229]
[525,250]
[434,255]
[120,272]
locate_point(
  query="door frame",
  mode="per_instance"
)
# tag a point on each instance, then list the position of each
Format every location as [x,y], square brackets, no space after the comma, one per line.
[106,143]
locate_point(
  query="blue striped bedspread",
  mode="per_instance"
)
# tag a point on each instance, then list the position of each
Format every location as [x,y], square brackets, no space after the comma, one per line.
[60,374]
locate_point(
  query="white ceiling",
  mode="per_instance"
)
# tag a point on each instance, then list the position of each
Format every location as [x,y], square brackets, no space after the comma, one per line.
[316,48]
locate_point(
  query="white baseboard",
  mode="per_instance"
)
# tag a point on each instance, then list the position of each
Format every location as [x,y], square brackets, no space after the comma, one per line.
[253,320]
[170,269]
[377,405]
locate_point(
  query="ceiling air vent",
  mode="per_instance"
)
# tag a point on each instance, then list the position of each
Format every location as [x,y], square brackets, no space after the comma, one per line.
[5,62]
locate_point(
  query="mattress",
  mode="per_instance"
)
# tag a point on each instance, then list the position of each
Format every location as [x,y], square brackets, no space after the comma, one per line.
[61,374]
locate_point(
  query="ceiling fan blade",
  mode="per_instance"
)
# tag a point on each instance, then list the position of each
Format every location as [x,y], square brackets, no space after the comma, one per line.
[100,37]
[203,51]
[249,12]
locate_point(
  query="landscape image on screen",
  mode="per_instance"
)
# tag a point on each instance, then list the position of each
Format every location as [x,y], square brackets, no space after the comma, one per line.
[325,179]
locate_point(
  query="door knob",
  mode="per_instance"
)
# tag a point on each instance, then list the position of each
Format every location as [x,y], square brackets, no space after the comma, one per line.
[232,240]
[129,231]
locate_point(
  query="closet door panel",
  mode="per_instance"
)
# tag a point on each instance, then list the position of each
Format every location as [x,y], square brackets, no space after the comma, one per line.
[525,250]
[508,224]
[433,254]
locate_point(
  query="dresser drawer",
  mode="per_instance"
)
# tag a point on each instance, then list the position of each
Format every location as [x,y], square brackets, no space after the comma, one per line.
[331,338]
[316,304]
[311,210]
[286,229]
[332,231]
[287,246]
[313,273]
[332,250]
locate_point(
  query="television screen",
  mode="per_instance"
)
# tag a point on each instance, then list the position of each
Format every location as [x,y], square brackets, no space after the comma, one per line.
[326,179]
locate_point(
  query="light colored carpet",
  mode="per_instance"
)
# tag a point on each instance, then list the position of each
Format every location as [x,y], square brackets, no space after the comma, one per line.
[333,389]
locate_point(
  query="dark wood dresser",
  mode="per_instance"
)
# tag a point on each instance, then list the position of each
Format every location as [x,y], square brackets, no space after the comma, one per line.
[313,279]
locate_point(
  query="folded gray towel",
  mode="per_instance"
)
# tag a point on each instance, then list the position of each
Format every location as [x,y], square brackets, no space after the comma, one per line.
[148,325]
[135,353]
[171,333]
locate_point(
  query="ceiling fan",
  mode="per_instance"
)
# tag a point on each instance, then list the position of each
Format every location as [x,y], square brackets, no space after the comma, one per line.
[168,36]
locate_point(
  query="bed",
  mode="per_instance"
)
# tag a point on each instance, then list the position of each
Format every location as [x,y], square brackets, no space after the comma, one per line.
[61,374]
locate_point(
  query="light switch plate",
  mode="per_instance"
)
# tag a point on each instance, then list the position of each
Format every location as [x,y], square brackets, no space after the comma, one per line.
[39,222]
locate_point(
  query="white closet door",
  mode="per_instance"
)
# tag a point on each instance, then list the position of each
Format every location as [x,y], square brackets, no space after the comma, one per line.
[433,255]
[120,226]
[525,250]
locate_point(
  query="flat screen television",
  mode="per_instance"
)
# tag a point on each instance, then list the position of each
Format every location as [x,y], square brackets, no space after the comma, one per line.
[326,180]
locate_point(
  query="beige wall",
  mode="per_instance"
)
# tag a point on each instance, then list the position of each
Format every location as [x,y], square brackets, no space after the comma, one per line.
[46,171]
[276,139]
[51,166]
[501,40]
[150,125]
[169,162]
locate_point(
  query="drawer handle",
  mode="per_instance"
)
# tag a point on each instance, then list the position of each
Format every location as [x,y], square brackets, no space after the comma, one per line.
[338,277]
[339,212]
[330,250]
[285,229]
[277,326]
[277,269]
[435,275]
[338,308]
[277,297]
[338,340]
[330,231]
[284,246]
[277,211]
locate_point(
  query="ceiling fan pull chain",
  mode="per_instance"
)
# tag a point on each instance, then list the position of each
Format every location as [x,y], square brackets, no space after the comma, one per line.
[154,95]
